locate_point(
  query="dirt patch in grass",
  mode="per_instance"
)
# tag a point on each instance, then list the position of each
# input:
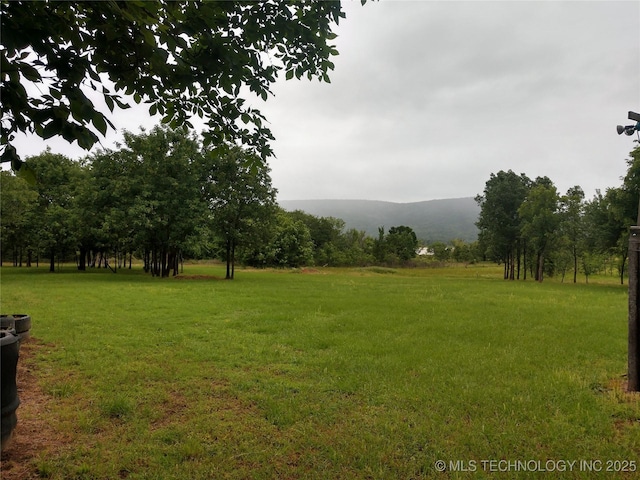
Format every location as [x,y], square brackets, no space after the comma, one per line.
[197,277]
[34,435]
[620,385]
[311,271]
[174,407]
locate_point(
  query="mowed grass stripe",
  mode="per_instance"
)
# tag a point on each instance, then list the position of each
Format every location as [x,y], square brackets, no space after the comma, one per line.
[325,374]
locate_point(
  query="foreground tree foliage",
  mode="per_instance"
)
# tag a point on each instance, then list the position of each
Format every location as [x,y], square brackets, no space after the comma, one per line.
[183,59]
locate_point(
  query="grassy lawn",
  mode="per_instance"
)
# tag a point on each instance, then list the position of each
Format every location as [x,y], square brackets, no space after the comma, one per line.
[328,373]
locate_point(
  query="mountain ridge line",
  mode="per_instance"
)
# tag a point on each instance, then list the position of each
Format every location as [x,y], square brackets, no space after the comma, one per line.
[435,220]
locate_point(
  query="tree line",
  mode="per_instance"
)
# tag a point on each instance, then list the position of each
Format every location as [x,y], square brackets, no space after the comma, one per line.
[160,197]
[533,230]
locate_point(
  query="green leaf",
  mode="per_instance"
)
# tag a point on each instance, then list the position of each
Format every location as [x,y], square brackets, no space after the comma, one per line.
[226,86]
[109,101]
[121,104]
[55,93]
[149,37]
[29,72]
[289,75]
[52,128]
[99,122]
[93,74]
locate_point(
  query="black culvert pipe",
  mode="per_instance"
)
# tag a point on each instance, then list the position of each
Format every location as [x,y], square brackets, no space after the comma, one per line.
[9,349]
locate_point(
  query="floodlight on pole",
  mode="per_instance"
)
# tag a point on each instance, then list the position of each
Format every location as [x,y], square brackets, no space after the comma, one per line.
[630,129]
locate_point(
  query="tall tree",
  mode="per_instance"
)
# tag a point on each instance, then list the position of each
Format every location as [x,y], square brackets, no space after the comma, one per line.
[56,179]
[630,191]
[168,206]
[402,242]
[608,216]
[380,246]
[17,204]
[181,58]
[499,220]
[239,195]
[539,220]
[115,184]
[572,223]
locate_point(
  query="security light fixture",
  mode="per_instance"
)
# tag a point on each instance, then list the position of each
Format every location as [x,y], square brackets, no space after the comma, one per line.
[629,129]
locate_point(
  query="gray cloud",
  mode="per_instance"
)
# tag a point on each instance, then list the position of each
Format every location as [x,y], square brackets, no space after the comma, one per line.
[429,98]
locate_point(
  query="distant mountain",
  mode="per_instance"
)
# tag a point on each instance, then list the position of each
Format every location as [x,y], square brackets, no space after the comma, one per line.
[432,220]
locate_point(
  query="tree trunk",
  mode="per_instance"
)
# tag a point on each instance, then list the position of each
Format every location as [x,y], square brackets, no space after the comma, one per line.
[233,260]
[524,259]
[52,262]
[176,262]
[512,273]
[518,253]
[633,372]
[82,265]
[165,263]
[540,269]
[153,262]
[228,255]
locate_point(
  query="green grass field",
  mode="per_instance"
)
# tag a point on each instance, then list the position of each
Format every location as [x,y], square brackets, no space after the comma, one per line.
[362,373]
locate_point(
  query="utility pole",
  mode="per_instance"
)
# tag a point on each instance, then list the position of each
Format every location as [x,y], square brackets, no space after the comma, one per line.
[633,372]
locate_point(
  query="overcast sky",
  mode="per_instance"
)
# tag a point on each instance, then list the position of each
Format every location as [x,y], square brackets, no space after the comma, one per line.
[429,98]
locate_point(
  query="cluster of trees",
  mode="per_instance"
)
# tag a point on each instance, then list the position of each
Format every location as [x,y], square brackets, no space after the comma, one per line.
[533,230]
[162,197]
[159,196]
